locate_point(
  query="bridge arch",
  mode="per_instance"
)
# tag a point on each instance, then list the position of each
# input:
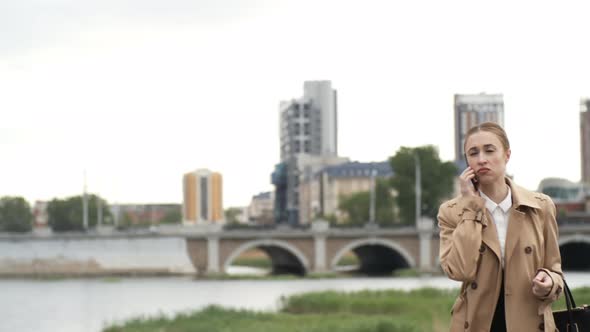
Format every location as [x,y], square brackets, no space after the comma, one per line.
[563,240]
[365,249]
[574,252]
[285,257]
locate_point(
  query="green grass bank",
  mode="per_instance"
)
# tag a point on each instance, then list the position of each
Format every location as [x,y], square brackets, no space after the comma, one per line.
[422,310]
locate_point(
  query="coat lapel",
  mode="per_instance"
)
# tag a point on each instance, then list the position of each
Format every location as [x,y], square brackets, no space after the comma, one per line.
[490,235]
[515,223]
[516,218]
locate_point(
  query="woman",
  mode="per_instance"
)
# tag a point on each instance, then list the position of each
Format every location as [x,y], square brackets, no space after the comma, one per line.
[500,240]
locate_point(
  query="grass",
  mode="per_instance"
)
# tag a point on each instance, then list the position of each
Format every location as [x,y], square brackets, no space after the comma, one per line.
[365,311]
[253,258]
[215,319]
[348,259]
[259,262]
[581,296]
[424,310]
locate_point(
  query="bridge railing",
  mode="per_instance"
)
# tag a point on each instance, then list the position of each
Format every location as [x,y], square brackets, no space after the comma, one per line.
[578,221]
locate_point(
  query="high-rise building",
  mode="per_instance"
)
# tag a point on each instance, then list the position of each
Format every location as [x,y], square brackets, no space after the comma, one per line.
[471,110]
[261,208]
[585,138]
[202,192]
[308,138]
[309,124]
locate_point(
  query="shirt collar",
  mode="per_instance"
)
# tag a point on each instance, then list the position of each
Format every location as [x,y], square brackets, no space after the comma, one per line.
[504,204]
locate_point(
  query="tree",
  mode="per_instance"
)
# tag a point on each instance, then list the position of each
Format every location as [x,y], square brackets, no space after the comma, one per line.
[232,214]
[67,214]
[173,215]
[15,215]
[437,181]
[357,205]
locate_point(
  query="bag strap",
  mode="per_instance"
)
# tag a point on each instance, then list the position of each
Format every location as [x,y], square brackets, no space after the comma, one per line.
[570,303]
[569,296]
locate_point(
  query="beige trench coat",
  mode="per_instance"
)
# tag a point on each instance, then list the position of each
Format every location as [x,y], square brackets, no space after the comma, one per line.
[470,252]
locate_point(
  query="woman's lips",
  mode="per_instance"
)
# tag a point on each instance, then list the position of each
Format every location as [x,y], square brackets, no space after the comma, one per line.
[483,170]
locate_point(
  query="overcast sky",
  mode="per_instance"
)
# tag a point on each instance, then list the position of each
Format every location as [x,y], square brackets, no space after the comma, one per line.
[139,92]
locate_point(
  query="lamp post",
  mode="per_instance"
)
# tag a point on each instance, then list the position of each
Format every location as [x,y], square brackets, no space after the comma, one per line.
[85,205]
[372,202]
[418,188]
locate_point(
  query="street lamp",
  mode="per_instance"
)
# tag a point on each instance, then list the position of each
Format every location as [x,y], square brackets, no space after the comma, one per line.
[372,202]
[418,188]
[85,206]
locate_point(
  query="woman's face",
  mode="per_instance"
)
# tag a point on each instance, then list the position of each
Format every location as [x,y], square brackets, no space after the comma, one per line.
[486,156]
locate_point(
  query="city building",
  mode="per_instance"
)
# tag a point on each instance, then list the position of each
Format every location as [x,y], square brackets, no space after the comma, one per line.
[471,110]
[40,215]
[41,218]
[126,215]
[309,124]
[202,192]
[570,198]
[322,191]
[585,138]
[308,140]
[261,208]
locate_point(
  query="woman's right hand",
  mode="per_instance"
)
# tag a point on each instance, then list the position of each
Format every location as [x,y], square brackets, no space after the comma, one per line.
[465,181]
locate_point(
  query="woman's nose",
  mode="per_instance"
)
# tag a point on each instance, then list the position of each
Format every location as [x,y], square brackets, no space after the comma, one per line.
[481,159]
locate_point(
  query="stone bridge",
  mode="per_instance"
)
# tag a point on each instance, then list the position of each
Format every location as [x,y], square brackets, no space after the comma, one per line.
[320,248]
[173,249]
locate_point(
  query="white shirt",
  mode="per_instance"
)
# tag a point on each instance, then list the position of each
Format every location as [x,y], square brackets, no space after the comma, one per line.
[499,213]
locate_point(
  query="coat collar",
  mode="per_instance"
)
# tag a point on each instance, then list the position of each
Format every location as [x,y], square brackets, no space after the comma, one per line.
[521,196]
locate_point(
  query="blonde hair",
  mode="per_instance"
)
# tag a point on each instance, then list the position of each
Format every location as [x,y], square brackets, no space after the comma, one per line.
[490,127]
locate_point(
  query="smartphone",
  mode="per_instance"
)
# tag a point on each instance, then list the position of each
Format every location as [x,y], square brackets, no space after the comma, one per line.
[475,183]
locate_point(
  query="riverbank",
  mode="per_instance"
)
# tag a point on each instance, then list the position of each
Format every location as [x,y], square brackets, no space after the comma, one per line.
[91,304]
[421,310]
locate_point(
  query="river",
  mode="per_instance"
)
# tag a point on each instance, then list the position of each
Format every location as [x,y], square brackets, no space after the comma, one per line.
[86,305]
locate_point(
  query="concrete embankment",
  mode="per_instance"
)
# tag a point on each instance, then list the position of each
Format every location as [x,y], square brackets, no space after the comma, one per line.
[93,256]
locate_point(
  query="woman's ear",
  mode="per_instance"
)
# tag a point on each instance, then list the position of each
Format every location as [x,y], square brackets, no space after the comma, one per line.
[508,152]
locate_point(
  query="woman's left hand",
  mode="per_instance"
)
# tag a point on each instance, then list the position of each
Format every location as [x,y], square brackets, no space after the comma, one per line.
[542,284]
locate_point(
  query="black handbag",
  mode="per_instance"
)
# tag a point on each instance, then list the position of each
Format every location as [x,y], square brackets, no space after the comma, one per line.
[573,319]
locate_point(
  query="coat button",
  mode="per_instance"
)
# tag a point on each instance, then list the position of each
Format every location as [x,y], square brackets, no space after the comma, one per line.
[482,248]
[542,327]
[466,325]
[474,285]
[528,250]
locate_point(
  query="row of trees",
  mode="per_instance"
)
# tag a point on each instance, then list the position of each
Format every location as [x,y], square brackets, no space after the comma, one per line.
[63,214]
[15,214]
[395,197]
[68,214]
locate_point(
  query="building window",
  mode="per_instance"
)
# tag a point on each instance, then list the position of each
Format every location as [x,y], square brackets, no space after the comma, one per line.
[297,146]
[297,128]
[306,128]
[204,198]
[306,146]
[296,108]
